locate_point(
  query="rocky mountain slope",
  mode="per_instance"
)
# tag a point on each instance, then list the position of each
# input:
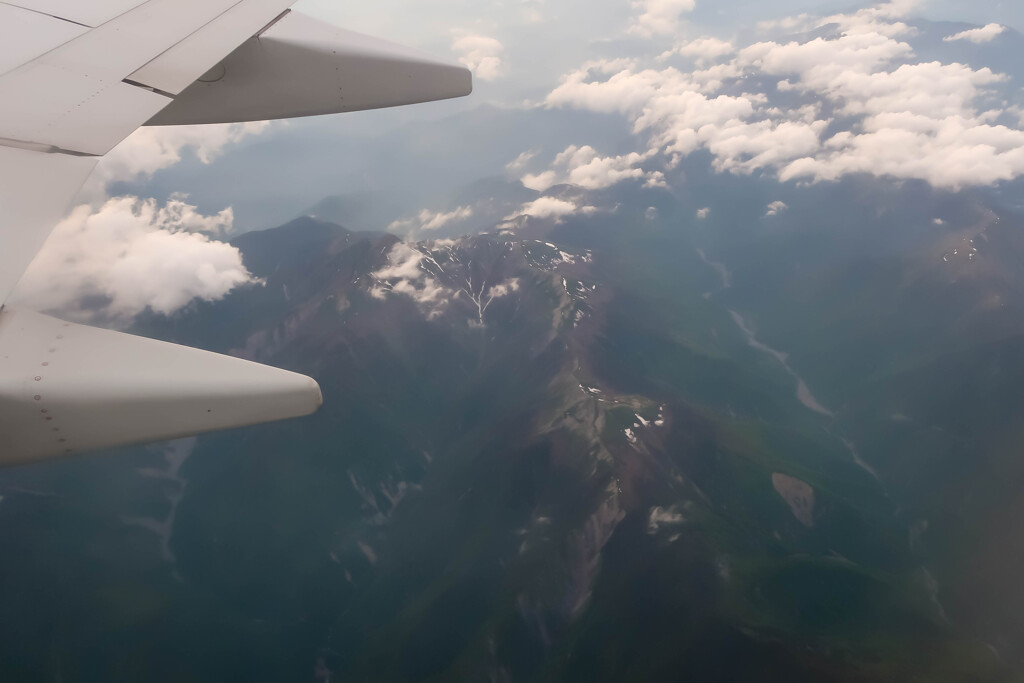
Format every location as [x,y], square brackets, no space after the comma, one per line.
[557,451]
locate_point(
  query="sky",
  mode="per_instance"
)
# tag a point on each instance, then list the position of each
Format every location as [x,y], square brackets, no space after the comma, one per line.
[804,92]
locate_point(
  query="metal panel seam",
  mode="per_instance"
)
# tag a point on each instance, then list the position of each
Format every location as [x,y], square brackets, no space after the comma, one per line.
[44,14]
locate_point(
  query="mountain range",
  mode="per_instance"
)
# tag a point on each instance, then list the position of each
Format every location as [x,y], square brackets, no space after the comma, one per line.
[673,434]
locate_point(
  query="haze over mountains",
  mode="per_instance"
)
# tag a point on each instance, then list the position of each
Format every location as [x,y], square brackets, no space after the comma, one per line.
[608,396]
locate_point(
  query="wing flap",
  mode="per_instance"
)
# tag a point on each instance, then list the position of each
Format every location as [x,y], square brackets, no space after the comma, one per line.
[77,113]
[181,65]
[74,97]
[303,67]
[67,388]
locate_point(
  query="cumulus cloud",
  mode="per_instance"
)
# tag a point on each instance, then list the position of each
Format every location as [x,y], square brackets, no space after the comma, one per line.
[702,50]
[482,54]
[520,163]
[856,102]
[584,167]
[403,264]
[551,207]
[130,255]
[775,208]
[433,220]
[679,118]
[503,289]
[151,149]
[405,276]
[112,258]
[659,17]
[880,19]
[948,153]
[985,34]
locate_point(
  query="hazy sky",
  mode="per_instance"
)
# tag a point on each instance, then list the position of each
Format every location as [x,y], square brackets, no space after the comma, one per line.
[802,92]
[543,38]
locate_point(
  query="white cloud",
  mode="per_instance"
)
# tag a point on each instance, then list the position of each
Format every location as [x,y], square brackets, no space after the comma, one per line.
[150,149]
[703,213]
[130,255]
[114,258]
[622,90]
[985,34]
[551,207]
[820,60]
[896,117]
[405,276]
[874,20]
[851,71]
[482,54]
[748,147]
[703,50]
[582,166]
[680,119]
[659,17]
[503,289]
[403,264]
[522,161]
[655,179]
[432,220]
[948,153]
[663,516]
[775,208]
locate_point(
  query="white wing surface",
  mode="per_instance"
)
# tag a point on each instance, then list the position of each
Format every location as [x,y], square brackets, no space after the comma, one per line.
[76,78]
[84,12]
[89,384]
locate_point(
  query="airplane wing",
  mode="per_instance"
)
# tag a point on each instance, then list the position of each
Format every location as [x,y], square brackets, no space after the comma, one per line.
[76,78]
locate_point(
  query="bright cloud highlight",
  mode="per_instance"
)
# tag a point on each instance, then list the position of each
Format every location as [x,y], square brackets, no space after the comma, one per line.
[433,220]
[113,258]
[985,34]
[131,255]
[482,55]
[856,102]
[659,17]
[584,167]
[551,207]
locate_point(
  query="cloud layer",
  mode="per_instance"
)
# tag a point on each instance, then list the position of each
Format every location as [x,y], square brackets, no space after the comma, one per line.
[852,100]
